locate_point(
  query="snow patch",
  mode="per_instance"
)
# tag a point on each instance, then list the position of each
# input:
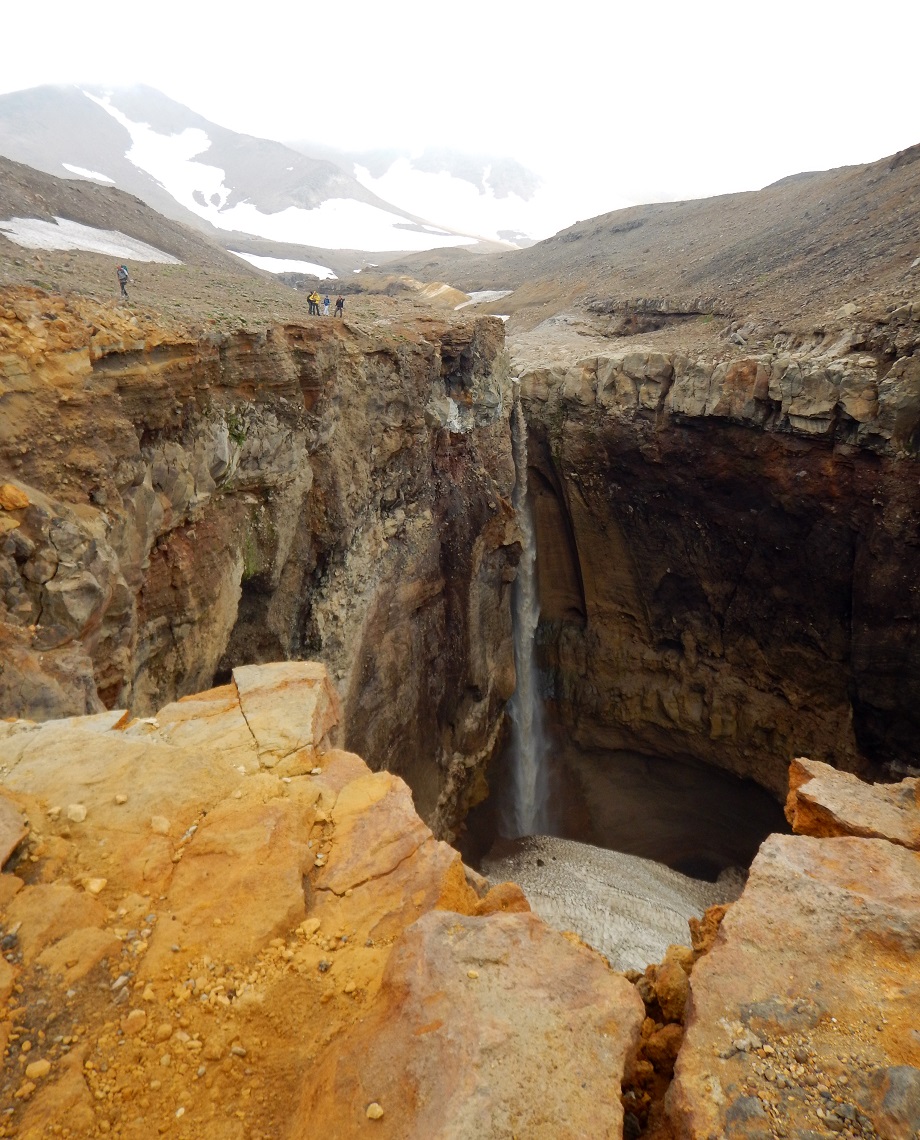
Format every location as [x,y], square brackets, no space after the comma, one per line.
[62,233]
[484,296]
[287,265]
[84,173]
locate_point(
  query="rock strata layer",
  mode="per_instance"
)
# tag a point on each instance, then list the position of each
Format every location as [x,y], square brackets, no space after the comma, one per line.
[725,546]
[176,503]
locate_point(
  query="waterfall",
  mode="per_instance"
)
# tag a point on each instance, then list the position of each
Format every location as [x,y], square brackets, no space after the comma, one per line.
[527,812]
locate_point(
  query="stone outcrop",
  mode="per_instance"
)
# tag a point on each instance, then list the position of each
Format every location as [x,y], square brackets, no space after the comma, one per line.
[178,503]
[802,1013]
[723,546]
[479,1034]
[825,802]
[220,926]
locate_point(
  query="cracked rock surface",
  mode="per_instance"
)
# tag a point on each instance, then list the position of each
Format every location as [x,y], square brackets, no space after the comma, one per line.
[213,909]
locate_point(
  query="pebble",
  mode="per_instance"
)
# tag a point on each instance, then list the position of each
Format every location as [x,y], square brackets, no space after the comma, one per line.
[159,825]
[134,1022]
[95,886]
[374,1111]
[350,987]
[472,973]
[38,1069]
[76,813]
[164,1032]
[237,1050]
[318,772]
[121,798]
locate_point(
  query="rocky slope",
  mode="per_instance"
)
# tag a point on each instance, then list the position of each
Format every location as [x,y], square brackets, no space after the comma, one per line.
[811,241]
[177,502]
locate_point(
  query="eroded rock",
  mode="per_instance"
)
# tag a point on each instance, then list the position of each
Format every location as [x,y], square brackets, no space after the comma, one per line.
[484,1027]
[806,999]
[824,802]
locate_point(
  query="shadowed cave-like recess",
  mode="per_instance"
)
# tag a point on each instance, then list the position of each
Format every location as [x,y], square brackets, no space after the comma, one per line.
[712,604]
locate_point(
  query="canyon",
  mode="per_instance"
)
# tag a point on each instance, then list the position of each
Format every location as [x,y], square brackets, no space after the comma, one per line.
[184,504]
[256,622]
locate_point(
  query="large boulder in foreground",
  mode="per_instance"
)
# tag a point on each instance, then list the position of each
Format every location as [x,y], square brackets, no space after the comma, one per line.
[802,1018]
[485,1027]
[204,909]
[823,801]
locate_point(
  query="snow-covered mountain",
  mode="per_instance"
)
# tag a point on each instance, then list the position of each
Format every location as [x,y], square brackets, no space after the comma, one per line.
[231,185]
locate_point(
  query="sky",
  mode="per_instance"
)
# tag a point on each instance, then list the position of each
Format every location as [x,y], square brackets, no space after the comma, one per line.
[611,104]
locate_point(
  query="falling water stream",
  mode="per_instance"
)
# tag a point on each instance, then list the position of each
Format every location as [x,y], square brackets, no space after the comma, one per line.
[527,812]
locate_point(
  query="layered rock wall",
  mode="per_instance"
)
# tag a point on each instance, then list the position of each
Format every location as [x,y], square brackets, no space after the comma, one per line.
[179,503]
[726,550]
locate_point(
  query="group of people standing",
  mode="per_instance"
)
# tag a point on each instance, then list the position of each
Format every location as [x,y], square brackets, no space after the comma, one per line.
[121,273]
[315,302]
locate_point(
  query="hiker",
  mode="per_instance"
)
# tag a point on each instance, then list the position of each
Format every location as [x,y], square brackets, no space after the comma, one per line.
[340,307]
[122,274]
[326,305]
[314,304]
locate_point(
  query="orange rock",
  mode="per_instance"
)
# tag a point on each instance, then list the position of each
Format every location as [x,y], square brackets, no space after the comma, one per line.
[662,1047]
[74,955]
[818,956]
[507,897]
[824,802]
[703,930]
[530,1046]
[12,828]
[12,498]
[49,912]
[672,988]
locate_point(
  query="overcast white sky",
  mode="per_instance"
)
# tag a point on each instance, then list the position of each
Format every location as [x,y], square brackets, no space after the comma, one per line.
[612,104]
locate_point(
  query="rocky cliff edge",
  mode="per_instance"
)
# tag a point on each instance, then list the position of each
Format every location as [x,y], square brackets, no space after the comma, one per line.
[177,501]
[220,927]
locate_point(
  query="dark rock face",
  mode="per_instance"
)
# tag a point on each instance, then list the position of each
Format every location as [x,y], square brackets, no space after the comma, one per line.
[727,559]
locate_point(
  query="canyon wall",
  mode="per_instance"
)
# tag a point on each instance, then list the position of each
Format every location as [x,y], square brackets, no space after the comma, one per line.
[176,503]
[726,548]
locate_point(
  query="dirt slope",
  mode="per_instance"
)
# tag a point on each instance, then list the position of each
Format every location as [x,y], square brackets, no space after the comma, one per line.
[811,241]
